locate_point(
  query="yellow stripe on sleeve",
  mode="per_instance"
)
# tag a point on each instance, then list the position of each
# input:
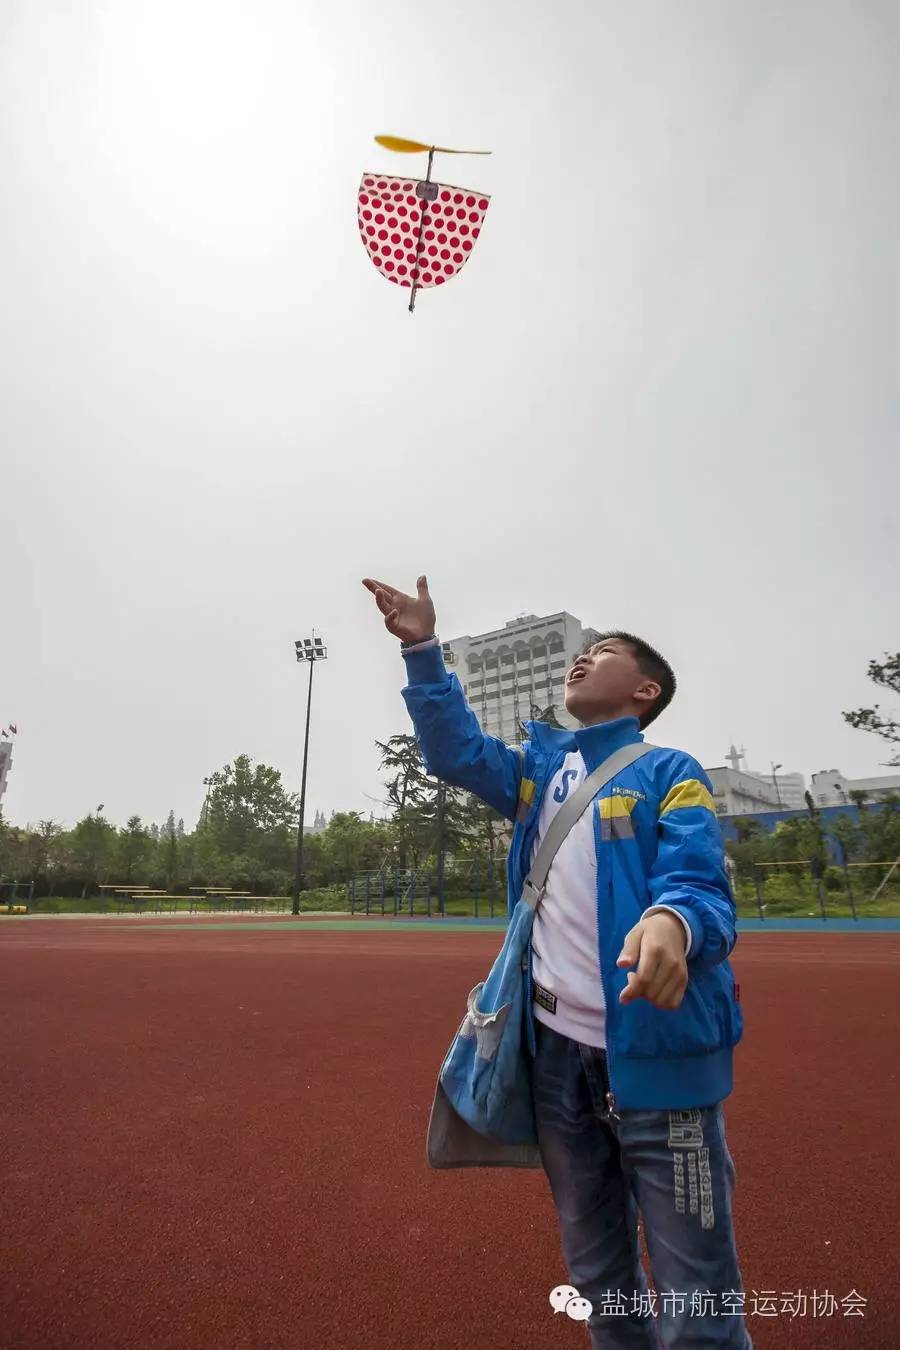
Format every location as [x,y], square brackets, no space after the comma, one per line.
[617,807]
[526,790]
[689,793]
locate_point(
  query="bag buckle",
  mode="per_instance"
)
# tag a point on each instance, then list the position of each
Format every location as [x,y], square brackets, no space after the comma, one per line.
[533,894]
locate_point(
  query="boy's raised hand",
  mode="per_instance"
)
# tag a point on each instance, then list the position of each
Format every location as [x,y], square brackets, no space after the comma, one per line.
[410,618]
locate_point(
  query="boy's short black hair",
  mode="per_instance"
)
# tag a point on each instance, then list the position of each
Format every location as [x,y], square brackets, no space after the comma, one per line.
[652,664]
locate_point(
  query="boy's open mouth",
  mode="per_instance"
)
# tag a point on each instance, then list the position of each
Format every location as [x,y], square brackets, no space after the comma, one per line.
[577,674]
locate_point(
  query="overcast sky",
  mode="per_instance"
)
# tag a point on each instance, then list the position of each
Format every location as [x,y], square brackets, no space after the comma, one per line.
[661,395]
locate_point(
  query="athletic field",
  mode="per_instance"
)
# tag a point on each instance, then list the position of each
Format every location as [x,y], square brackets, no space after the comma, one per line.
[213,1139]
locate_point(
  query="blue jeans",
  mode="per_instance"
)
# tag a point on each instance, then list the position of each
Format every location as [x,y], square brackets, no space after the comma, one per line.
[673,1169]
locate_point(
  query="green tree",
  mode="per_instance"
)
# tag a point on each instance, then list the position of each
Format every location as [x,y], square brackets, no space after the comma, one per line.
[848,835]
[406,779]
[408,791]
[885,674]
[348,844]
[92,842]
[747,830]
[751,848]
[134,846]
[797,839]
[483,828]
[245,802]
[40,851]
[11,848]
[169,843]
[880,830]
[429,816]
[409,837]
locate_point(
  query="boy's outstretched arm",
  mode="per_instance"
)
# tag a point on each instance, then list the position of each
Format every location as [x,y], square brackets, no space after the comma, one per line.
[453,745]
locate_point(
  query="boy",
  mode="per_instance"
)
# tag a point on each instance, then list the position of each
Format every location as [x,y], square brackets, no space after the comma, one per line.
[629,1069]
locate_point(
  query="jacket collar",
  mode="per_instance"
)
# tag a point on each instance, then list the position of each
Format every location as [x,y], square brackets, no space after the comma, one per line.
[596,743]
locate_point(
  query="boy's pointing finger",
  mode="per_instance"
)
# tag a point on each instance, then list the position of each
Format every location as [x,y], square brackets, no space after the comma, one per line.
[631,947]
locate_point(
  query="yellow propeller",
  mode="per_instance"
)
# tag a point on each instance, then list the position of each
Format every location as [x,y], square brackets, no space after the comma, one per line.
[405,147]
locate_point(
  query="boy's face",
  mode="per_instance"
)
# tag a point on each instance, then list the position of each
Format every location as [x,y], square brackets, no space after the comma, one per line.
[607,682]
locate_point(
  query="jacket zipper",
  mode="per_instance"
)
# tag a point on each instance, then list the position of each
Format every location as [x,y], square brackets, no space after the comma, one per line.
[604,984]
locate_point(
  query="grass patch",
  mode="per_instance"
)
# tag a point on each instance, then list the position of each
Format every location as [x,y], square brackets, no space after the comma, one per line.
[795,898]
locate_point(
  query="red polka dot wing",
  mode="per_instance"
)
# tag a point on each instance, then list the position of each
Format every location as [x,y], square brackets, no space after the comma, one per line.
[418,233]
[407,248]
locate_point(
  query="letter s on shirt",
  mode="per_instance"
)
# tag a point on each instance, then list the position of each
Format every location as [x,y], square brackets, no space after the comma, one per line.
[562,790]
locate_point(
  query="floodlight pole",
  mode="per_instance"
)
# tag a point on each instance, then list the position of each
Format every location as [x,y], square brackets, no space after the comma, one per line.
[312,653]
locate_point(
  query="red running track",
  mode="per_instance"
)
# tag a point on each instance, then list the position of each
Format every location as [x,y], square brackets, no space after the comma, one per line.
[215,1138]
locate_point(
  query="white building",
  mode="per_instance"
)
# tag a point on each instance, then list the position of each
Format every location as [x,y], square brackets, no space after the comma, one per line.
[515,672]
[5,763]
[741,792]
[831,788]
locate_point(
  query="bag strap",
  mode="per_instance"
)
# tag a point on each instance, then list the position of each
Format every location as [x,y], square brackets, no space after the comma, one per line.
[536,881]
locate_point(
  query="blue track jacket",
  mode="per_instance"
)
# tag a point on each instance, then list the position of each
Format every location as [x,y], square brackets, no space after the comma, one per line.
[657,841]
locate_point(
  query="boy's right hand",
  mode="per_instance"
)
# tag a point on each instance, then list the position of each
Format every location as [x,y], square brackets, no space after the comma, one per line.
[409,617]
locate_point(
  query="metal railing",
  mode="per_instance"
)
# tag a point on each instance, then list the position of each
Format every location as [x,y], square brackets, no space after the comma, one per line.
[472,889]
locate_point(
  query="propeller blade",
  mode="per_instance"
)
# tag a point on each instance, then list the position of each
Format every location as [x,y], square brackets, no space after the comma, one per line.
[401,146]
[404,147]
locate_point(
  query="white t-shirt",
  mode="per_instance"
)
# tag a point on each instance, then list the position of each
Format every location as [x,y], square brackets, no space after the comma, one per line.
[564,940]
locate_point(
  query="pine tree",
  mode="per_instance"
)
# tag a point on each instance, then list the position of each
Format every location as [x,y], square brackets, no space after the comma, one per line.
[170,835]
[429,816]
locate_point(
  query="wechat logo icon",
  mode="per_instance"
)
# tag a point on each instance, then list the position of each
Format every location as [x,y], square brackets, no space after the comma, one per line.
[564,1298]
